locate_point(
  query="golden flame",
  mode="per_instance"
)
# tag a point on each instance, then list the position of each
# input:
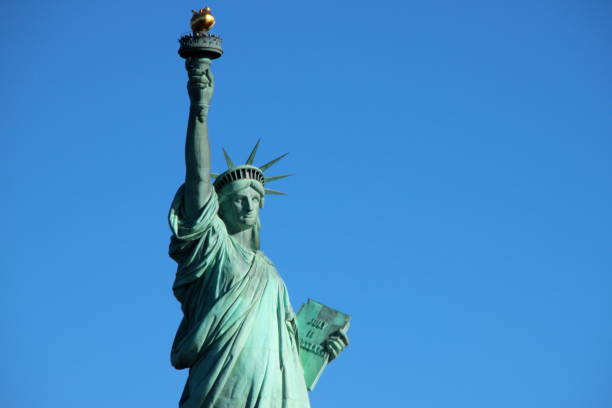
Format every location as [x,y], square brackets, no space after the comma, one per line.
[202,20]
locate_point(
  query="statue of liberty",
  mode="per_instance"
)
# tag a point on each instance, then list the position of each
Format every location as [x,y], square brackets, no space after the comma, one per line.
[238,336]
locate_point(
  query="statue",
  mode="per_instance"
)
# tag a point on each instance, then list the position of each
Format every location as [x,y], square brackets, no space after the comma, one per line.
[238,336]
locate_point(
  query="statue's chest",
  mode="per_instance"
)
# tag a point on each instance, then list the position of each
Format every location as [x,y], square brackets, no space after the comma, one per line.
[253,272]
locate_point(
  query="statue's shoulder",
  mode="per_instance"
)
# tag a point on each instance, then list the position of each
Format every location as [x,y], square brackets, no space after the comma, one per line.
[265,259]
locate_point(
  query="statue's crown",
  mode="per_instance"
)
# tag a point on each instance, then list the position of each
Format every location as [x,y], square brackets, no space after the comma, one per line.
[247,172]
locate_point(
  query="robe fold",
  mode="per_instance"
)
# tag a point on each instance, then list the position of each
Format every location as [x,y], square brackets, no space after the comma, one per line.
[238,335]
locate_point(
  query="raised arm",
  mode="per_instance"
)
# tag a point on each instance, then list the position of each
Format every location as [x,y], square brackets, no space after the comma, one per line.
[197,149]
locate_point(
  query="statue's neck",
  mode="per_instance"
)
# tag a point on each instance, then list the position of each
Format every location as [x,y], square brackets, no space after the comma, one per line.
[246,238]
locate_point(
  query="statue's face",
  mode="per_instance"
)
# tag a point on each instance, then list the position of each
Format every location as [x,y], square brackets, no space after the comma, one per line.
[241,209]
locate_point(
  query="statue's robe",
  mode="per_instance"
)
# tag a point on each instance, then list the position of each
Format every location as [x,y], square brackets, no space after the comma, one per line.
[238,336]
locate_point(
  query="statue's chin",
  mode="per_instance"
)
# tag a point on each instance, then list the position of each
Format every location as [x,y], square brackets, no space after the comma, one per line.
[249,222]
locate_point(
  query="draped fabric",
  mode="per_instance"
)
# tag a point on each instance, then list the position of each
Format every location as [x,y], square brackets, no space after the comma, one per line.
[238,335]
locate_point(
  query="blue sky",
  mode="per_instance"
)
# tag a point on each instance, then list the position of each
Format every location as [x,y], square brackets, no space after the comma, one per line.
[451,193]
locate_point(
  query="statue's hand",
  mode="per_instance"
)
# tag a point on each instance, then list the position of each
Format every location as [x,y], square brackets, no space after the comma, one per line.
[336,343]
[200,85]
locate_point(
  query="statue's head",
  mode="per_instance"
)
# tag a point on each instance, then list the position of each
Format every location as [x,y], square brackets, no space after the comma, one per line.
[239,204]
[241,193]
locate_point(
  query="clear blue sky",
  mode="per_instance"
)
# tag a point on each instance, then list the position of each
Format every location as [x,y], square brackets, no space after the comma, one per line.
[452,192]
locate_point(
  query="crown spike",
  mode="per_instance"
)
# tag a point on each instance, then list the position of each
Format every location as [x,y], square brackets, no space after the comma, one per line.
[215,175]
[228,160]
[274,192]
[272,163]
[268,179]
[253,153]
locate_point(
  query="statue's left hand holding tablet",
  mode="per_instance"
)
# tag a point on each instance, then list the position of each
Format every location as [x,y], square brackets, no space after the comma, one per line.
[336,343]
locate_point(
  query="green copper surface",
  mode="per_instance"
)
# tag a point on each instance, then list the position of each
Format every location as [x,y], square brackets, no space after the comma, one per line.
[253,153]
[238,336]
[228,160]
[272,163]
[317,323]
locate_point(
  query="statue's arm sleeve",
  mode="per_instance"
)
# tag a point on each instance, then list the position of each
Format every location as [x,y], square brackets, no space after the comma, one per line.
[195,245]
[197,185]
